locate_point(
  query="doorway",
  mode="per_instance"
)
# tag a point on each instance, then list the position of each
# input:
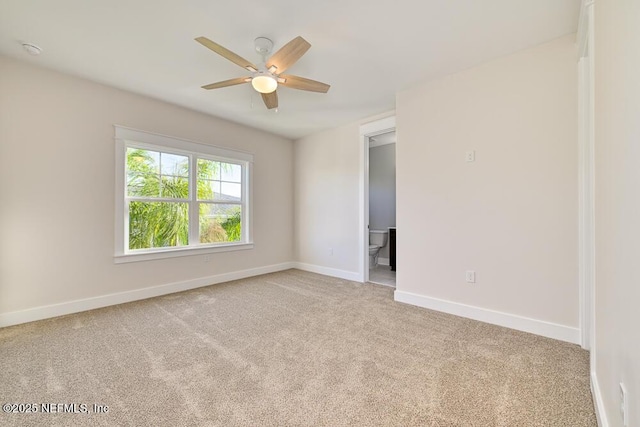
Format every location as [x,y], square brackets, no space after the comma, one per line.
[382,208]
[376,135]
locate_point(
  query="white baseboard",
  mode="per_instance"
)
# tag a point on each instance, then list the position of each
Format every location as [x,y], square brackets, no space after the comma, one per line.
[539,327]
[601,414]
[383,261]
[327,271]
[61,309]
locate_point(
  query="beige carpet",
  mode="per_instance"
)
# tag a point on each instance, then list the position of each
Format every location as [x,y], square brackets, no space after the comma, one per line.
[290,349]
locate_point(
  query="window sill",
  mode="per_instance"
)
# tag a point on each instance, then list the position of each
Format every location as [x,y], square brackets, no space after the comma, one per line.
[179,252]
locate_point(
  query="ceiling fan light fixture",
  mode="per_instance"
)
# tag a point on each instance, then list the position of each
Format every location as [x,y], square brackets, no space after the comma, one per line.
[264,83]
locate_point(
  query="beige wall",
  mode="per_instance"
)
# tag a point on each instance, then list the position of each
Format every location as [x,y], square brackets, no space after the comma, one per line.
[327,197]
[57,185]
[617,141]
[512,214]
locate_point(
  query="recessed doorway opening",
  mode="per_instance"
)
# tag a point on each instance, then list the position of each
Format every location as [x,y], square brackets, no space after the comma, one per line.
[378,202]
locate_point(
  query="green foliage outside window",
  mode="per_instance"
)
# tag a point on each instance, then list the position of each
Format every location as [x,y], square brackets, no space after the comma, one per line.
[154,224]
[232,226]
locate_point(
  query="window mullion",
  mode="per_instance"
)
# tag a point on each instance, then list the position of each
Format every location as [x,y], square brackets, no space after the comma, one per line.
[194,210]
[243,200]
[126,224]
[154,199]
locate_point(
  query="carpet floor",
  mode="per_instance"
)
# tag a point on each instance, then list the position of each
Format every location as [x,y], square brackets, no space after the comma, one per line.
[287,349]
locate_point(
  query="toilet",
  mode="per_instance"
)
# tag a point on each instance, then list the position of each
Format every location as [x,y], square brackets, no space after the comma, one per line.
[377,241]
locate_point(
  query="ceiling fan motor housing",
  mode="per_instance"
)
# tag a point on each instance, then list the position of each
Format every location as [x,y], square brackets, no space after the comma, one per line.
[263,46]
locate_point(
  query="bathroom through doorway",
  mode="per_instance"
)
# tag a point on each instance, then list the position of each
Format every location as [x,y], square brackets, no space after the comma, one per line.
[382,208]
[369,132]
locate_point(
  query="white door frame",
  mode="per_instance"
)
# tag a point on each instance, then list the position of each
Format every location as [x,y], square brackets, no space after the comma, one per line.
[586,178]
[367,131]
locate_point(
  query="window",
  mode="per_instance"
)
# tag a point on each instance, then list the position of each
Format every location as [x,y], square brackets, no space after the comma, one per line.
[176,197]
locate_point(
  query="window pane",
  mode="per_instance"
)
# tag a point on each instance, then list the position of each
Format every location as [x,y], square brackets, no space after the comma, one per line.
[144,185]
[174,164]
[143,173]
[231,172]
[175,187]
[158,224]
[208,169]
[220,223]
[208,190]
[231,192]
[143,160]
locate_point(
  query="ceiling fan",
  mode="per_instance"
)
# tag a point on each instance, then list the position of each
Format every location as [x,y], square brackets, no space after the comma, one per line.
[266,78]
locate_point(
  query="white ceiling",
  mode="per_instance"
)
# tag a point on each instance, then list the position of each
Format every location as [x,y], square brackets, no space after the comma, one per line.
[367,50]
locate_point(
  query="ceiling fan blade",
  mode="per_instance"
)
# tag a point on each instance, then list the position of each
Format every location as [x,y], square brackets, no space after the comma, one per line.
[301,83]
[222,51]
[288,54]
[270,99]
[226,83]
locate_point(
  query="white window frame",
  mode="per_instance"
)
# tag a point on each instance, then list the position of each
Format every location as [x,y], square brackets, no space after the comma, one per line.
[127,137]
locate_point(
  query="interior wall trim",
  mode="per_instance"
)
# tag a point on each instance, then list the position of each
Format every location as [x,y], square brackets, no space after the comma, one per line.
[598,403]
[520,323]
[582,35]
[328,271]
[77,306]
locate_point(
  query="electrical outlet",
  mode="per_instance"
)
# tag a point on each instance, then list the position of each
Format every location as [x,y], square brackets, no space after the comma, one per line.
[624,405]
[470,156]
[331,251]
[470,276]
[207,258]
